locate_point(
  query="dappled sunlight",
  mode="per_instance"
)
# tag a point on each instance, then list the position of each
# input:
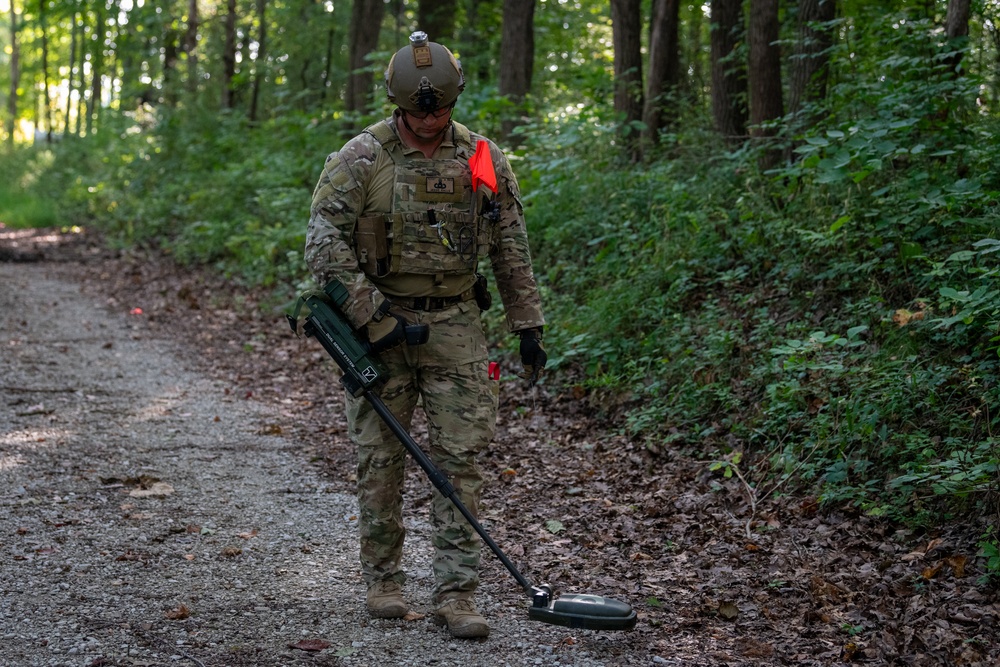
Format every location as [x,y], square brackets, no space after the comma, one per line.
[16,444]
[21,240]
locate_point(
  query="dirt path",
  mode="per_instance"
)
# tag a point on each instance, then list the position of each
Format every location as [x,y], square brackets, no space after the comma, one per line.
[152,516]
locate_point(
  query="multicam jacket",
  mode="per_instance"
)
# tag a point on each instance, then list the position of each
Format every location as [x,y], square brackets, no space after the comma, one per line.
[386,222]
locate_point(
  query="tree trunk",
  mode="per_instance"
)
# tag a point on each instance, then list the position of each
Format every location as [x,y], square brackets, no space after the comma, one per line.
[260,69]
[46,98]
[191,47]
[229,57]
[366,22]
[957,30]
[517,58]
[74,38]
[437,19]
[664,69]
[15,76]
[627,41]
[810,67]
[729,74]
[765,75]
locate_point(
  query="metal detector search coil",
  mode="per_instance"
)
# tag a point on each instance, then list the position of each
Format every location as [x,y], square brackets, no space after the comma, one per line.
[590,612]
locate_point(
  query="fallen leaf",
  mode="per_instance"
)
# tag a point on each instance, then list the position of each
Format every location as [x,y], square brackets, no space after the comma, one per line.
[178,613]
[188,556]
[413,616]
[728,611]
[247,536]
[931,571]
[231,552]
[310,645]
[554,526]
[158,489]
[957,564]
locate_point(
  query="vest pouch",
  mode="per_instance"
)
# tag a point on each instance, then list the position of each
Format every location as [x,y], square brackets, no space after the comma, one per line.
[371,247]
[446,246]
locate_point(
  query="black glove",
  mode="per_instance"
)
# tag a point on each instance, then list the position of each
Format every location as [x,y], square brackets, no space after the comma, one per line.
[533,355]
[385,334]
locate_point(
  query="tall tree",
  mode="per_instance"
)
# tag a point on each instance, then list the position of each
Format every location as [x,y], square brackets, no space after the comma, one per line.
[366,21]
[626,25]
[517,58]
[437,19]
[766,101]
[46,95]
[811,64]
[729,73]
[957,30]
[260,67]
[229,57]
[664,68]
[71,79]
[15,75]
[191,46]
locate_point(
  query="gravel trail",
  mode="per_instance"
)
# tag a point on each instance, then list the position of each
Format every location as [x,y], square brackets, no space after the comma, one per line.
[152,516]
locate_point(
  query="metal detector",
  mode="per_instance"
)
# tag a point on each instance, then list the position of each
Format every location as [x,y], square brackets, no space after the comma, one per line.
[363,376]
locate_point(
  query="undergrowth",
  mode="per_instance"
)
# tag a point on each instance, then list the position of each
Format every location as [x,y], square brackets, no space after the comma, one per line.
[835,321]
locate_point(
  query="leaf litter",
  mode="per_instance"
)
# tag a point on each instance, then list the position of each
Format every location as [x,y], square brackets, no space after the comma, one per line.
[815,586]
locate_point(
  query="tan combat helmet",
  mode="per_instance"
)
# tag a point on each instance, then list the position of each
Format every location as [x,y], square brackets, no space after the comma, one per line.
[423,76]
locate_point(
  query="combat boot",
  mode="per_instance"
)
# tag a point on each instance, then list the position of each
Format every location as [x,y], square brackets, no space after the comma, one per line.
[462,619]
[385,600]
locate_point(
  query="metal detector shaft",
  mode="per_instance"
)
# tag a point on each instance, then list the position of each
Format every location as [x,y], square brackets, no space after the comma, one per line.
[442,484]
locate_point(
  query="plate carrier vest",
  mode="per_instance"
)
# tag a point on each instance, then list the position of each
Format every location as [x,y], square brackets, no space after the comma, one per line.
[433,228]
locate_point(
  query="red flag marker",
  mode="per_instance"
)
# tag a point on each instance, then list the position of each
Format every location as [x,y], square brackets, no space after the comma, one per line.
[481,164]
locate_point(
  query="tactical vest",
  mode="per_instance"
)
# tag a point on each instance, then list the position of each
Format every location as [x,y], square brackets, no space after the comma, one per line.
[433,228]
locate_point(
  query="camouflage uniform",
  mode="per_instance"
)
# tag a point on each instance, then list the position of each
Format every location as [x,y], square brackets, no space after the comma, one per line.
[371,230]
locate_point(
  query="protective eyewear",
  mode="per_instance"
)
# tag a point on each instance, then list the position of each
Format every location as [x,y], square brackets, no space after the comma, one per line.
[437,113]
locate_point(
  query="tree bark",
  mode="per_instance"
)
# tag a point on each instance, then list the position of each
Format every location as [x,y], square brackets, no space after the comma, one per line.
[957,30]
[437,19]
[71,81]
[729,73]
[626,24]
[664,68]
[517,58]
[46,98]
[15,76]
[229,57]
[191,46]
[366,23]
[810,67]
[259,70]
[766,103]
[96,71]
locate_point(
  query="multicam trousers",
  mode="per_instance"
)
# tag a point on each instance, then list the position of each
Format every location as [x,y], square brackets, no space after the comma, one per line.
[449,374]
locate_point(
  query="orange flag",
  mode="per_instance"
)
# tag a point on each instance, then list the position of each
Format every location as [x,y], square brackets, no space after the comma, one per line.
[481,164]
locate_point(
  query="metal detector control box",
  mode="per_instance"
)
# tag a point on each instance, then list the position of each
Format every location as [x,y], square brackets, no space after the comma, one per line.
[325,322]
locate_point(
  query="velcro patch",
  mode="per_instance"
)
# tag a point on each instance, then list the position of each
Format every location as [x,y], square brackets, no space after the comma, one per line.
[440,185]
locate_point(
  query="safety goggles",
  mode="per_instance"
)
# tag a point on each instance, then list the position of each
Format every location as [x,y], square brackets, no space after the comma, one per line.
[437,113]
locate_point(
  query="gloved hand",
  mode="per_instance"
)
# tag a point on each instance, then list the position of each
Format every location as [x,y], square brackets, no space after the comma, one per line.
[533,355]
[390,332]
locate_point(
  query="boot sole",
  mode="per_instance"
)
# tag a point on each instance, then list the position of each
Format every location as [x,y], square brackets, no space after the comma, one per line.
[471,631]
[397,612]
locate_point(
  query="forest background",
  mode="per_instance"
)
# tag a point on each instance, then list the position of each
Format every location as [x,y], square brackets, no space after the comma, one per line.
[766,231]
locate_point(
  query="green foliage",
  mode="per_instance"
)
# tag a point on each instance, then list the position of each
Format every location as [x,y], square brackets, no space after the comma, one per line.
[19,175]
[832,324]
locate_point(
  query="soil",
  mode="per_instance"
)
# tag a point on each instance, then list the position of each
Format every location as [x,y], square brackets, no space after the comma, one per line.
[177,489]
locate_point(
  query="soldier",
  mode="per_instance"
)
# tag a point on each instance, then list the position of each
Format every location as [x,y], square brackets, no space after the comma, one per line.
[395,218]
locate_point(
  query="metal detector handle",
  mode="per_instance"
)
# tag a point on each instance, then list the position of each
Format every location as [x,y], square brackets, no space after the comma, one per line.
[446,488]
